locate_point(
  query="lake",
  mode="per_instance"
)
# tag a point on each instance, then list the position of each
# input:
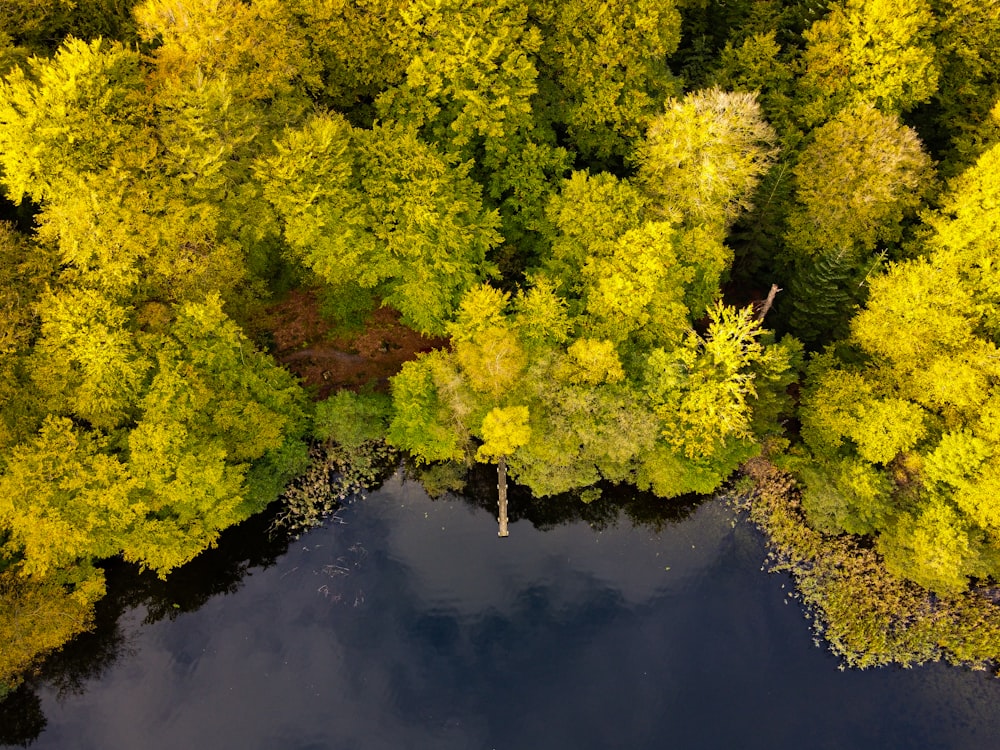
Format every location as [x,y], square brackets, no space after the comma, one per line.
[407,623]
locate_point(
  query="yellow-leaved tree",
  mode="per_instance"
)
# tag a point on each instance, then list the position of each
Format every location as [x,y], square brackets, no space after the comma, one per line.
[879,52]
[902,417]
[594,370]
[859,180]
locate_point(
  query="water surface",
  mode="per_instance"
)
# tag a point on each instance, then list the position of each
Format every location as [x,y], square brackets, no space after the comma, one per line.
[408,624]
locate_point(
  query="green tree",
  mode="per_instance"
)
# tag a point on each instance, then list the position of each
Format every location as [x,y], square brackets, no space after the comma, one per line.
[87,360]
[115,205]
[209,439]
[41,25]
[352,419]
[757,64]
[384,210]
[469,89]
[576,393]
[217,438]
[209,137]
[152,444]
[603,69]
[631,274]
[11,54]
[879,52]
[258,47]
[65,499]
[39,616]
[227,78]
[360,48]
[967,44]
[471,78]
[25,271]
[80,113]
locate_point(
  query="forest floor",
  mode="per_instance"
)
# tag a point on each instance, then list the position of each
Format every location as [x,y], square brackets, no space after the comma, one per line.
[327,359]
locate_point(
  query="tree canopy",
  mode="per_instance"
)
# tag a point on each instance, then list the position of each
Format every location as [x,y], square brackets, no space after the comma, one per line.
[905,434]
[587,200]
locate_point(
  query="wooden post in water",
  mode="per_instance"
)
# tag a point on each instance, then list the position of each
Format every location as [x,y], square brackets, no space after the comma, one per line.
[502,490]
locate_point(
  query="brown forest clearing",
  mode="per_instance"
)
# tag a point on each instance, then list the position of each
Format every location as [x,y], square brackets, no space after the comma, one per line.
[327,360]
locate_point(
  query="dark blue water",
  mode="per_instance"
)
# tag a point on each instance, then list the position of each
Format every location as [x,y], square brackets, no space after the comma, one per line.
[409,624]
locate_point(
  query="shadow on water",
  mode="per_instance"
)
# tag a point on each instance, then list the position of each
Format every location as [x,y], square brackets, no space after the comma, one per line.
[253,544]
[21,717]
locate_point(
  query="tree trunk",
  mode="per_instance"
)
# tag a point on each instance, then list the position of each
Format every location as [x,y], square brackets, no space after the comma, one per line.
[502,490]
[766,304]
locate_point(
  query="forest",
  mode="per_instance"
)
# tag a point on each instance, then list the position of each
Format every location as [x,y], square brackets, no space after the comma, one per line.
[587,201]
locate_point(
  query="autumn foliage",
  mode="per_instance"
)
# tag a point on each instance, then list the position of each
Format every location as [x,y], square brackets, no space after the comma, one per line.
[564,190]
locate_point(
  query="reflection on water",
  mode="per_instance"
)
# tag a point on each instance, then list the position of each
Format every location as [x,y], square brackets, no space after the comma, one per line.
[21,717]
[410,624]
[641,508]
